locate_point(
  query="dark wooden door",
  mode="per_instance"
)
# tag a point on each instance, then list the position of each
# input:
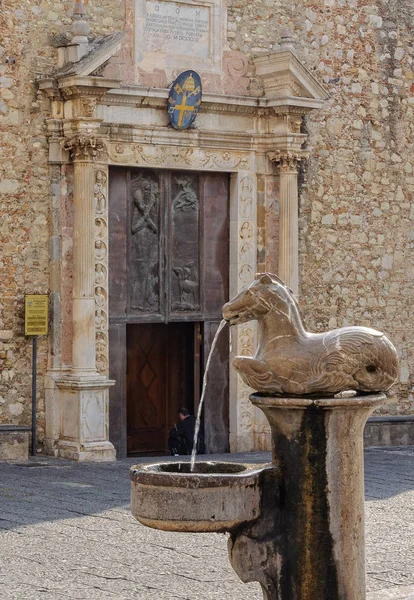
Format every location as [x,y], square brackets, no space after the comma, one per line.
[159,381]
[168,266]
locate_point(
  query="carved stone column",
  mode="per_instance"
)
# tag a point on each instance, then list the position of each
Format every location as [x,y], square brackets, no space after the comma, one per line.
[288,263]
[84,433]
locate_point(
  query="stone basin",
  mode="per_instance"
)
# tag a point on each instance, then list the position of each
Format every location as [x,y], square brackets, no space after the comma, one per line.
[215,497]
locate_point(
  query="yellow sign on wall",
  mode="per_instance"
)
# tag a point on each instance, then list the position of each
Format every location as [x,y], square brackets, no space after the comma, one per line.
[36,314]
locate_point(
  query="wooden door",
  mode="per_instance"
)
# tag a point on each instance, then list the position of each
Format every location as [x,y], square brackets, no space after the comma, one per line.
[159,381]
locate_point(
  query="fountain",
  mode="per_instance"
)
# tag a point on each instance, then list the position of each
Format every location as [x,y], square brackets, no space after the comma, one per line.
[296,526]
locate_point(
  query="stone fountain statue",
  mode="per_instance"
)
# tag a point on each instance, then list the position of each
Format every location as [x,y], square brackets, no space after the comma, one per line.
[296,525]
[290,360]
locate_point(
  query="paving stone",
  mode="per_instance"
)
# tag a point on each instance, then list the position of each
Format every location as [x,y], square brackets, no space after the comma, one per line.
[66,532]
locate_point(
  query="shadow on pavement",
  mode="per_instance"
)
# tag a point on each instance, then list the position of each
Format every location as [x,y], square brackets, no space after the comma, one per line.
[48,489]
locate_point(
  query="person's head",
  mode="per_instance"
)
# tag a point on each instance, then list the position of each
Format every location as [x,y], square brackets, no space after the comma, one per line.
[183,413]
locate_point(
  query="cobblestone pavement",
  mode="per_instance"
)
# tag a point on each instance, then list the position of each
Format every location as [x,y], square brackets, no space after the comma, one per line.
[66,532]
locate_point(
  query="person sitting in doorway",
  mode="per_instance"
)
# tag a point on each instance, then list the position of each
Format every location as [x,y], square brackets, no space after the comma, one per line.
[181,437]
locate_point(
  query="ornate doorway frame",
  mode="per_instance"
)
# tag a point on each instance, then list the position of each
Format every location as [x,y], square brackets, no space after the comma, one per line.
[242,166]
[96,123]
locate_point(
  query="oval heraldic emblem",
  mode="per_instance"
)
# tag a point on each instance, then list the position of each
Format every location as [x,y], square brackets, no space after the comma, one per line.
[184,100]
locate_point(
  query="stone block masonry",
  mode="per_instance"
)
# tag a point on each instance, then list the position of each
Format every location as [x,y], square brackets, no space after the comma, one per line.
[356,215]
[27,52]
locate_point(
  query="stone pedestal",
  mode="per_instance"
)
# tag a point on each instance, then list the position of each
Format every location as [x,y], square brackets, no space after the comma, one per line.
[308,543]
[84,427]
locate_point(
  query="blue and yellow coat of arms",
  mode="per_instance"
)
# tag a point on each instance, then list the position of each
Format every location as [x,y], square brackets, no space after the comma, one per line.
[184,100]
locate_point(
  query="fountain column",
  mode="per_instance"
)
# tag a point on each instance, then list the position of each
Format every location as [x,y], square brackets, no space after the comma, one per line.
[308,543]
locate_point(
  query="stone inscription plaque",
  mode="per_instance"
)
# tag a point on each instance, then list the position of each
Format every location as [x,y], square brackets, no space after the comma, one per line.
[177,28]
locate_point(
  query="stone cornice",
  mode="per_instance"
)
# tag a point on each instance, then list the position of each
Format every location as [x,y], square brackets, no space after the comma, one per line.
[137,96]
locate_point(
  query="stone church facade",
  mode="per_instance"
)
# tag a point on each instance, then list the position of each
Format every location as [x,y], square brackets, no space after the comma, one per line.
[305,132]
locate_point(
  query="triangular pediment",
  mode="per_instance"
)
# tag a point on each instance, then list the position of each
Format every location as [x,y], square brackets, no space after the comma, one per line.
[100,51]
[285,76]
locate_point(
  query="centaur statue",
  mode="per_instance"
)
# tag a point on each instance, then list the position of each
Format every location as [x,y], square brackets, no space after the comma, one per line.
[291,360]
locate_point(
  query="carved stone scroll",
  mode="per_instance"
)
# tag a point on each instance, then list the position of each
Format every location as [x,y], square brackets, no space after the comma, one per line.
[146,155]
[100,190]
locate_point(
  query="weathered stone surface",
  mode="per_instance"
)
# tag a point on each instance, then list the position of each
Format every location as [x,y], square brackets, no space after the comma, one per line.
[215,497]
[291,360]
[14,445]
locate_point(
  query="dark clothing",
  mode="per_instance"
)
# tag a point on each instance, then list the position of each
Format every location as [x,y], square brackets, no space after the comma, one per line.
[181,437]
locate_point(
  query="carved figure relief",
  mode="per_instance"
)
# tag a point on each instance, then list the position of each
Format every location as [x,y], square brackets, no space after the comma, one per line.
[246,274]
[185,243]
[246,341]
[88,107]
[101,341]
[246,252]
[100,250]
[246,420]
[100,296]
[186,199]
[144,251]
[246,231]
[188,286]
[100,319]
[100,228]
[246,198]
[100,273]
[99,190]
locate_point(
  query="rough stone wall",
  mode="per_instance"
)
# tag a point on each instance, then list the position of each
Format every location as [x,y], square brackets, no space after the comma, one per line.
[356,208]
[27,30]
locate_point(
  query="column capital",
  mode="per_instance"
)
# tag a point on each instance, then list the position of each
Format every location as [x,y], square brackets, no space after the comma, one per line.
[288,160]
[86,148]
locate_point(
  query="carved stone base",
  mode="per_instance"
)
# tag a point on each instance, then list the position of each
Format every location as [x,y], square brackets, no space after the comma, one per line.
[93,451]
[308,543]
[84,419]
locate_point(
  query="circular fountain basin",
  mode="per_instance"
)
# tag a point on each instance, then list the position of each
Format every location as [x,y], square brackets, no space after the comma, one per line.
[215,497]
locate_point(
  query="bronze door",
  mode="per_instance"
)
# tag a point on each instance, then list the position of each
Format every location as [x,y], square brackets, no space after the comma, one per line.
[168,264]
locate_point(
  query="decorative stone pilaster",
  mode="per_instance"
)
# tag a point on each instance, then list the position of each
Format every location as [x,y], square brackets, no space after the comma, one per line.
[101,292]
[288,263]
[292,91]
[84,432]
[247,426]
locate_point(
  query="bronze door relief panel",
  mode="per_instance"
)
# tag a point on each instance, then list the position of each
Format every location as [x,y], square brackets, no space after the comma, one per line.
[163,240]
[144,247]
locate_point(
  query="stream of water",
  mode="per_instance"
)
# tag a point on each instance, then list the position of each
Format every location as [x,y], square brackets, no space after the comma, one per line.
[203,393]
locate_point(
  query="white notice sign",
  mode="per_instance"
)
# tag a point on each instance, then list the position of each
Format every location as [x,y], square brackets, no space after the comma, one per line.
[177,28]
